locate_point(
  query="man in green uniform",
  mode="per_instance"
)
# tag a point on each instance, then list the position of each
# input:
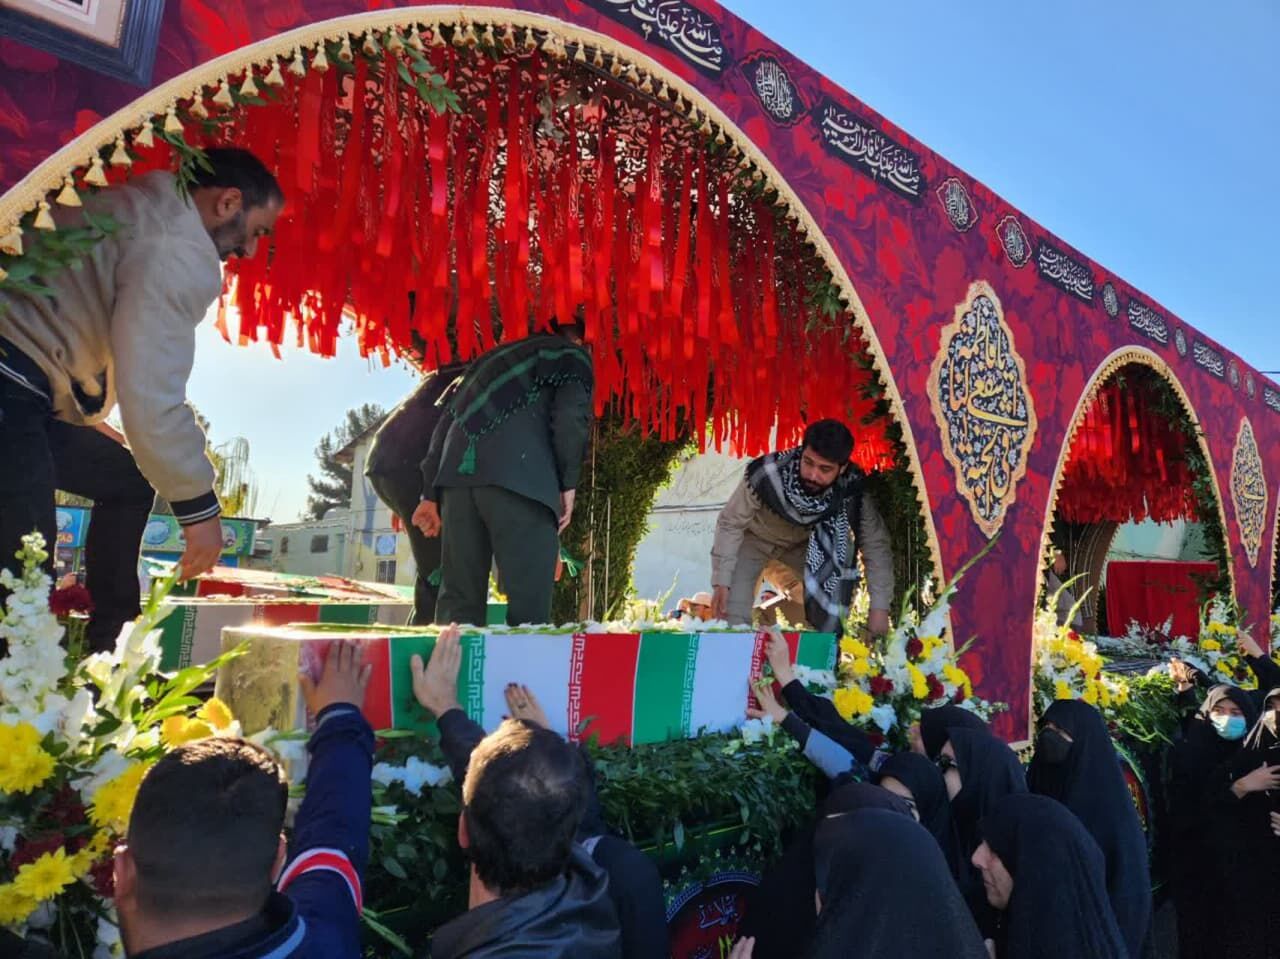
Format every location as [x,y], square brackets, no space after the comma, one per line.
[500,476]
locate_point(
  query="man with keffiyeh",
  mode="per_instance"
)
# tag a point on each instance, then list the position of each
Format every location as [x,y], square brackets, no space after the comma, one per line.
[803,509]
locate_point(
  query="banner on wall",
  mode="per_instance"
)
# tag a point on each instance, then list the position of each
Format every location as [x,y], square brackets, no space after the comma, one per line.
[72,524]
[631,687]
[163,534]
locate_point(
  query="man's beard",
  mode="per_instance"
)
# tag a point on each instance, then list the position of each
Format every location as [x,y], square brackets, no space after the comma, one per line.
[814,489]
[230,237]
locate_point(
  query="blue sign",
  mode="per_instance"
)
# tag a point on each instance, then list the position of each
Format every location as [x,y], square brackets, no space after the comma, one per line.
[72,523]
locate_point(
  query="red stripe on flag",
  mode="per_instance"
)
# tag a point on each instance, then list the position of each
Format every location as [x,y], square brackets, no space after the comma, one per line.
[759,658]
[377,695]
[281,614]
[602,678]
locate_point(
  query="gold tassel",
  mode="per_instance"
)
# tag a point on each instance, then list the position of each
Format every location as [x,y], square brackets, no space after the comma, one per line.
[394,43]
[437,35]
[11,242]
[320,62]
[598,59]
[198,109]
[370,47]
[275,78]
[68,195]
[120,155]
[344,51]
[96,176]
[633,75]
[488,39]
[615,67]
[530,41]
[549,44]
[144,137]
[580,55]
[415,38]
[646,85]
[248,88]
[509,38]
[299,65]
[44,221]
[463,35]
[171,122]
[223,97]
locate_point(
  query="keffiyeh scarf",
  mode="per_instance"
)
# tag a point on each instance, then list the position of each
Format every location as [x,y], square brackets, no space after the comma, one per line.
[830,569]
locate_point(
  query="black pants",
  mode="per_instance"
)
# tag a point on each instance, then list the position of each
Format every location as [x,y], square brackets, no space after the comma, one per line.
[38,455]
[394,470]
[487,523]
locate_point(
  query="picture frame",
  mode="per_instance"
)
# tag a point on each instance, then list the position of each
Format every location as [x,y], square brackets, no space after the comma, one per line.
[117,38]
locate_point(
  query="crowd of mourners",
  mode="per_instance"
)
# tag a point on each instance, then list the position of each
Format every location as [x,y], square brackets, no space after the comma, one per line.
[952,849]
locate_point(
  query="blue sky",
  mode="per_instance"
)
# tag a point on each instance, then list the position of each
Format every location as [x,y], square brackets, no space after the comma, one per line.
[1145,134]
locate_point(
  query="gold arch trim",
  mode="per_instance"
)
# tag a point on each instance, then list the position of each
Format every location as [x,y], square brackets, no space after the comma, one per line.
[50,174]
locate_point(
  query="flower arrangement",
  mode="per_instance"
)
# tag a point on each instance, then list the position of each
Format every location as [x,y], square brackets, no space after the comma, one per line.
[1067,666]
[884,685]
[1217,651]
[75,742]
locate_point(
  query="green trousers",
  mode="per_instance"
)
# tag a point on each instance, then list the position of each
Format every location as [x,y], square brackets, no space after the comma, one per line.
[484,524]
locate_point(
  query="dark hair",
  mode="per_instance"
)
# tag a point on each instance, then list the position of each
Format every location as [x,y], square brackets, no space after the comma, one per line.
[233,167]
[830,439]
[523,798]
[205,829]
[575,324]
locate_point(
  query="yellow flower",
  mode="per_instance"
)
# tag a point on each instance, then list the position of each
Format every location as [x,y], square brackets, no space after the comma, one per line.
[861,667]
[1090,695]
[851,647]
[1210,645]
[1121,695]
[114,801]
[93,851]
[1222,629]
[1062,691]
[23,764]
[217,714]
[851,701]
[15,907]
[46,877]
[919,685]
[177,730]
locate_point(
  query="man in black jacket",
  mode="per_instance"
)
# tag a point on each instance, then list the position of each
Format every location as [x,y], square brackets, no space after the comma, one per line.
[394,470]
[502,471]
[534,890]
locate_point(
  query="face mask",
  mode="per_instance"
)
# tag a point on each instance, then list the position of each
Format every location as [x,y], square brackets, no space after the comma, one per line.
[1229,728]
[1052,746]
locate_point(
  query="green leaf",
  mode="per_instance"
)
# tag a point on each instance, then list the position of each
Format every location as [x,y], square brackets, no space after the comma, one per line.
[393,866]
[403,72]
[386,934]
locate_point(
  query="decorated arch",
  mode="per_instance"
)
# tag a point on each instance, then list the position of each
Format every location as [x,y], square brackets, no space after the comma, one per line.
[860,260]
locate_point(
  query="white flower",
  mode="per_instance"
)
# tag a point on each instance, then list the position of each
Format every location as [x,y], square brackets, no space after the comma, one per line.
[413,775]
[46,915]
[822,678]
[109,945]
[8,837]
[109,765]
[884,716]
[755,730]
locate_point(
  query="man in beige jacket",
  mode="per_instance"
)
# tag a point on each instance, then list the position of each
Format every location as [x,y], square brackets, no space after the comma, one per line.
[119,328]
[803,516]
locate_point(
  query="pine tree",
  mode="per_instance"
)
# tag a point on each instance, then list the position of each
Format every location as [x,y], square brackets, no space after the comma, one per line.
[332,488]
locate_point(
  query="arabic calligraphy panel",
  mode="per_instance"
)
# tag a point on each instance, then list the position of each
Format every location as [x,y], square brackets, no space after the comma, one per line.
[1150,324]
[774,88]
[1248,491]
[980,398]
[865,148]
[681,27]
[1209,359]
[957,204]
[1064,272]
[1013,240]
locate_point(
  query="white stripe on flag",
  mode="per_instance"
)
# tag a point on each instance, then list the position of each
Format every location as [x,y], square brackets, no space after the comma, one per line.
[538,661]
[720,683]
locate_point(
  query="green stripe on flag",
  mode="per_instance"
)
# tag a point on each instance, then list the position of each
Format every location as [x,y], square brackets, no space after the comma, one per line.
[177,633]
[816,650]
[349,614]
[663,704]
[405,711]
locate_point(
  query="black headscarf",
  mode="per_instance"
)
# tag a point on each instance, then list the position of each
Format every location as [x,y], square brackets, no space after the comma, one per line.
[935,722]
[1091,784]
[1193,858]
[1242,850]
[1059,908]
[929,793]
[887,893]
[779,912]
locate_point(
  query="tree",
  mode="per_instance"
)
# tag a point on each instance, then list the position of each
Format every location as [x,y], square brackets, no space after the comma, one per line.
[332,488]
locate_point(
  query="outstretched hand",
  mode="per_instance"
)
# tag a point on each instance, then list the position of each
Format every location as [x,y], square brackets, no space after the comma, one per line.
[343,680]
[435,685]
[524,705]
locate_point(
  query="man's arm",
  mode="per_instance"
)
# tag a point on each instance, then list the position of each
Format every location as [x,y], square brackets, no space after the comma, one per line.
[731,525]
[330,846]
[877,554]
[570,424]
[163,289]
[435,686]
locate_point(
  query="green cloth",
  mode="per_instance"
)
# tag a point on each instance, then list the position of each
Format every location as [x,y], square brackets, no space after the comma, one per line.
[528,438]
